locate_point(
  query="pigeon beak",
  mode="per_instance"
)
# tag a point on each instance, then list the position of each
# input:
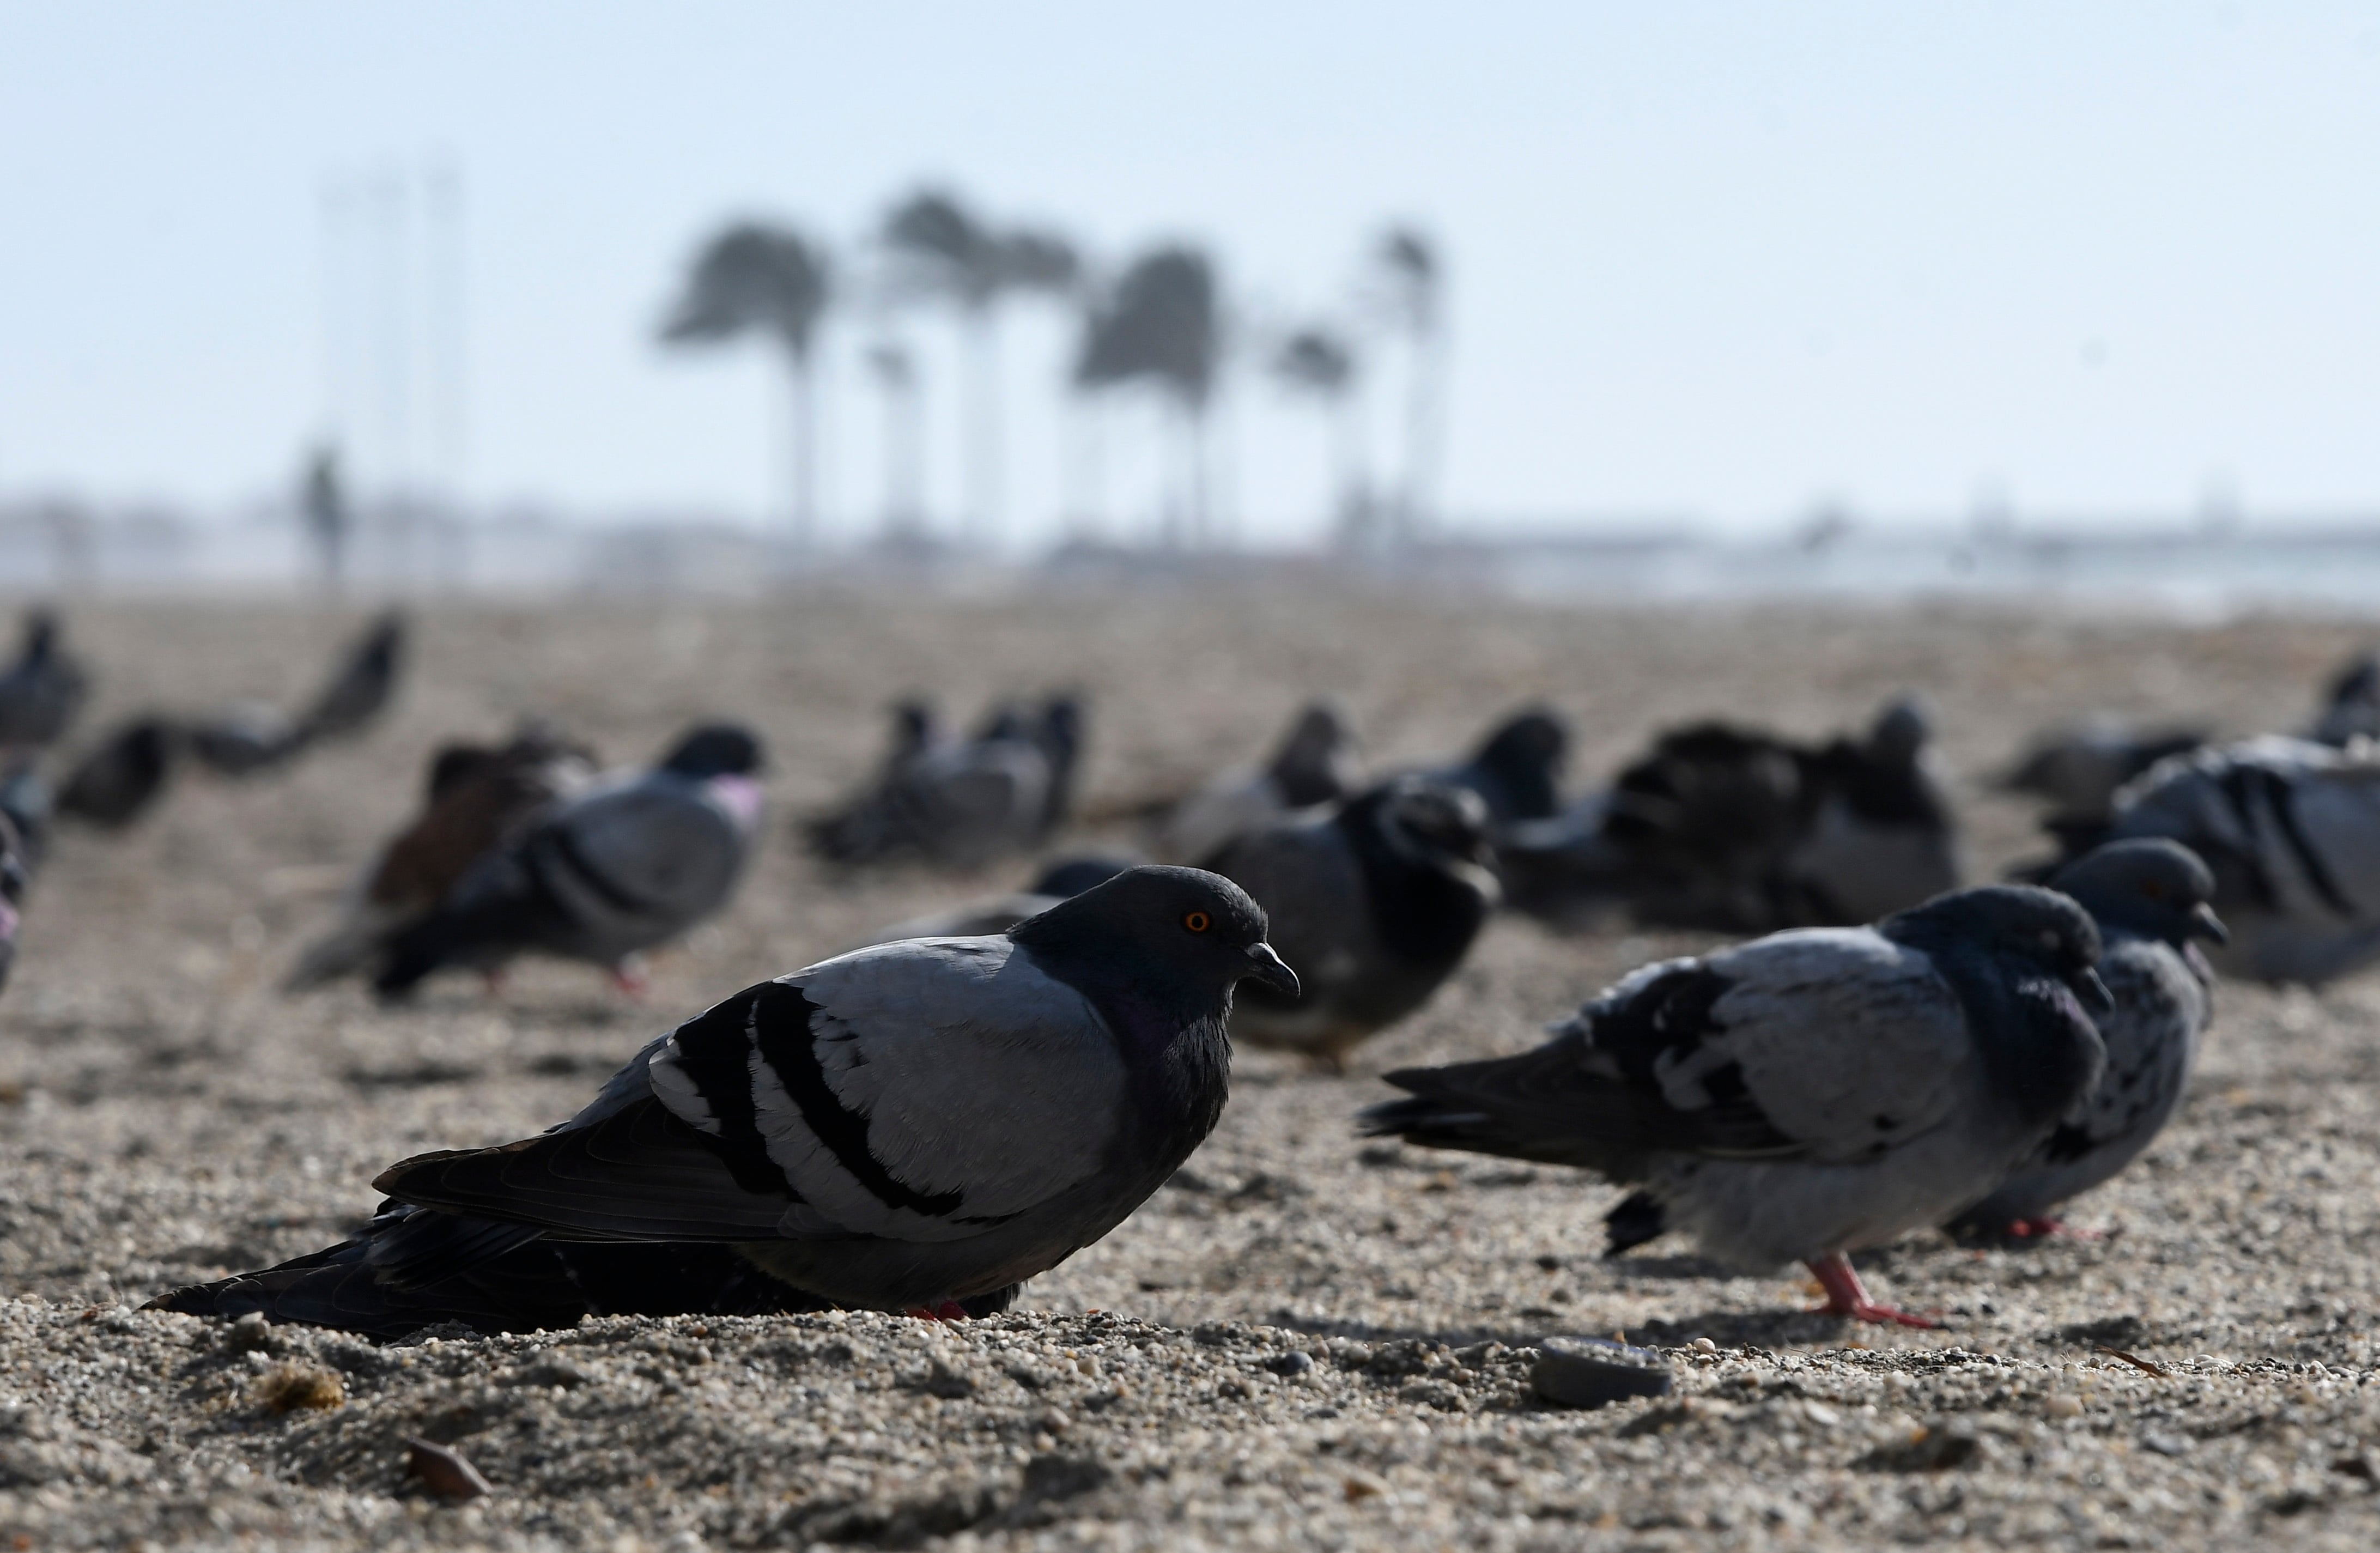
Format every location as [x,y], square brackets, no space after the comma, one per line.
[2093,991]
[1270,968]
[2204,924]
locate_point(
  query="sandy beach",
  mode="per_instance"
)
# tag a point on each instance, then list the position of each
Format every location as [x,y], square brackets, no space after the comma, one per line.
[1305,1340]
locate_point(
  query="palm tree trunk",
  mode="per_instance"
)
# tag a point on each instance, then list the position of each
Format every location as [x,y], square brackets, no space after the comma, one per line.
[1424,427]
[802,509]
[1198,519]
[983,425]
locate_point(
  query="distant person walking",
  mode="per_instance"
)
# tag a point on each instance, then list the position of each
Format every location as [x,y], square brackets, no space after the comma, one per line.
[328,520]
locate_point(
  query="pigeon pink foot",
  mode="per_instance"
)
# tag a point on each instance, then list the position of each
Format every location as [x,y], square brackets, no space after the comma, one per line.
[1847,1296]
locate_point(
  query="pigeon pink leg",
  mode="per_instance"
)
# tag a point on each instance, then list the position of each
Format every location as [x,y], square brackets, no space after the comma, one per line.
[1847,1296]
[631,980]
[2043,1228]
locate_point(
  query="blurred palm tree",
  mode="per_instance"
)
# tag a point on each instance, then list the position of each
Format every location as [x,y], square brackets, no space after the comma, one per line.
[772,280]
[940,248]
[1320,362]
[1413,276]
[1161,324]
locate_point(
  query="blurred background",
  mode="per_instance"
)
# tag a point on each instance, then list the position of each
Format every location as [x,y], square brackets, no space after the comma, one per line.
[1573,300]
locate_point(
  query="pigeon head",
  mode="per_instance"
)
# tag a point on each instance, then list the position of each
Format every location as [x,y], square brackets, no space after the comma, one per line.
[914,727]
[1900,730]
[1182,934]
[1315,763]
[2156,888]
[2357,682]
[716,749]
[2036,929]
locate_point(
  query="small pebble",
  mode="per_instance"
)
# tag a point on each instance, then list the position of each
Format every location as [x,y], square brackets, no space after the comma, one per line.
[1593,1372]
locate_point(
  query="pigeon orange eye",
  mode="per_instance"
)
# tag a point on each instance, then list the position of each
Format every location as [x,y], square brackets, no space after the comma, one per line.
[1196,922]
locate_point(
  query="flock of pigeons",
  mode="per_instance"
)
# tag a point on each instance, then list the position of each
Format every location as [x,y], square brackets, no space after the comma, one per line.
[927,1122]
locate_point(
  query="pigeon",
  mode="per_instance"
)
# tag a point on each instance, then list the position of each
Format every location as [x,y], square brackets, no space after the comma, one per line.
[123,776]
[28,805]
[477,797]
[1377,900]
[1061,880]
[243,738]
[2151,901]
[2291,830]
[2350,703]
[960,804]
[1315,763]
[361,688]
[16,878]
[1879,836]
[1735,830]
[2079,768]
[1809,1093]
[916,1127]
[43,690]
[627,863]
[1517,769]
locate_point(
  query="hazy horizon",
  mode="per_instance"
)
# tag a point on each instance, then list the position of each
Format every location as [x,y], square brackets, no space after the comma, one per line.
[1711,261]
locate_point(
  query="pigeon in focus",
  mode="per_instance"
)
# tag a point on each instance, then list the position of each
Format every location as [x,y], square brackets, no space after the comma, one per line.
[1060,881]
[122,777]
[920,1126]
[1807,1093]
[1315,763]
[42,692]
[2291,830]
[2079,768]
[477,799]
[960,804]
[2152,902]
[1517,769]
[626,864]
[1376,902]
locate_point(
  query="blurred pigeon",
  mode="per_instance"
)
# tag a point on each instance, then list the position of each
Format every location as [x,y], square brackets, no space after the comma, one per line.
[2291,830]
[361,688]
[16,878]
[28,805]
[1806,1094]
[2350,703]
[124,775]
[1517,769]
[479,797]
[959,805]
[1376,901]
[627,863]
[1879,837]
[42,691]
[1062,880]
[2078,768]
[920,1127]
[243,738]
[1315,763]
[1736,830]
[2150,899]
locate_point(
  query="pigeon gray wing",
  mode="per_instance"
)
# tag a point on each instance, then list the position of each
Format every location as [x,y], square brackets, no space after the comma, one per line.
[638,861]
[1831,1044]
[921,1091]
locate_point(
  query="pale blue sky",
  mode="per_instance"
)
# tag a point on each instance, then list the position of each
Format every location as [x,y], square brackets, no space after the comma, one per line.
[1722,260]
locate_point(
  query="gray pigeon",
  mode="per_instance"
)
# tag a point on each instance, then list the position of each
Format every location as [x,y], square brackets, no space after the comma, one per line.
[1315,763]
[43,690]
[959,805]
[2150,899]
[1377,901]
[1517,769]
[920,1127]
[2080,767]
[1809,1093]
[2292,832]
[624,865]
